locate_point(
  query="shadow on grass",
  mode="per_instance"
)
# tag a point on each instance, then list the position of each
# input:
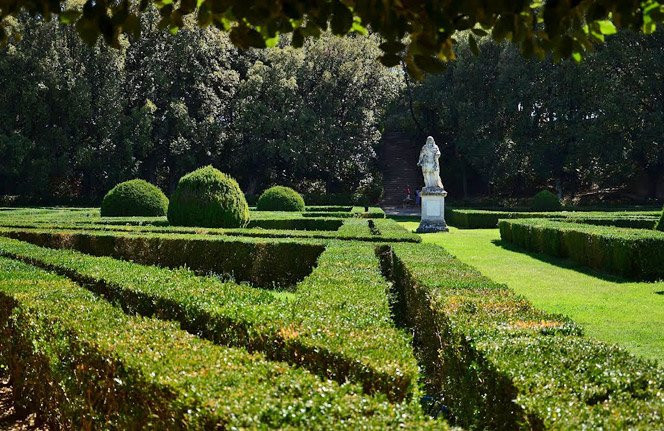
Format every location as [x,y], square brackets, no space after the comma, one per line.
[561,262]
[659,292]
[402,218]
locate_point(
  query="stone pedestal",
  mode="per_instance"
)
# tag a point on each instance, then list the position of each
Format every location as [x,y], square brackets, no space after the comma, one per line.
[433,210]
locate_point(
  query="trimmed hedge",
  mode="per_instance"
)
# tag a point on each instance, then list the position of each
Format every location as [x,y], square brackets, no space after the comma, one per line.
[209,198]
[630,253]
[269,264]
[352,229]
[81,363]
[280,198]
[635,222]
[328,208]
[336,325]
[374,212]
[484,219]
[496,362]
[134,198]
[487,219]
[546,201]
[660,223]
[322,224]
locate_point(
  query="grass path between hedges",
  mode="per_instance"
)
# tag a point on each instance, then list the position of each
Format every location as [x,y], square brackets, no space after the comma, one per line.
[608,308]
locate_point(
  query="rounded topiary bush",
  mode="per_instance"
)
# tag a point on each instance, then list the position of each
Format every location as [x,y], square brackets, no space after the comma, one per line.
[546,201]
[207,197]
[660,224]
[280,198]
[134,198]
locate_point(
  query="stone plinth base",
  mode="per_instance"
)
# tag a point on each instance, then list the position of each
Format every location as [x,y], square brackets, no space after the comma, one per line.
[433,210]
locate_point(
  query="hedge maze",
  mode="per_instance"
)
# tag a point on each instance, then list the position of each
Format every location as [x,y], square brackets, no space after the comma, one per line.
[328,318]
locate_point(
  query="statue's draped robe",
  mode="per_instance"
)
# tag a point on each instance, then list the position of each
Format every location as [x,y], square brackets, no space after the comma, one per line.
[430,165]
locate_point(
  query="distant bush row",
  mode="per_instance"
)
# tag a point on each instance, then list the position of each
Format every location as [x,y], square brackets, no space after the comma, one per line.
[488,219]
[631,253]
[205,197]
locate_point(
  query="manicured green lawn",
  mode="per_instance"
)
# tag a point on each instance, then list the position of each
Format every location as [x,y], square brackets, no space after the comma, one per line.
[610,309]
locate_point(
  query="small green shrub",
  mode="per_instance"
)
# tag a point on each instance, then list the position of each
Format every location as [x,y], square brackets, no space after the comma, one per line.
[660,224]
[134,198]
[280,198]
[546,201]
[207,197]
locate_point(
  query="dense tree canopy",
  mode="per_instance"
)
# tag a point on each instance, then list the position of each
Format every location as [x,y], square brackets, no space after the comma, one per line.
[509,126]
[76,120]
[420,32]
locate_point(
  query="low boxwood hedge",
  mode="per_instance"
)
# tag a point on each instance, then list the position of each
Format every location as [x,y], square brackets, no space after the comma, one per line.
[485,219]
[273,263]
[488,219]
[351,229]
[316,224]
[81,363]
[336,325]
[634,222]
[630,253]
[328,208]
[495,362]
[280,198]
[660,223]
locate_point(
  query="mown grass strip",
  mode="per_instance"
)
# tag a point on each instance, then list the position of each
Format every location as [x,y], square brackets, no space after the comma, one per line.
[83,364]
[319,329]
[499,363]
[630,253]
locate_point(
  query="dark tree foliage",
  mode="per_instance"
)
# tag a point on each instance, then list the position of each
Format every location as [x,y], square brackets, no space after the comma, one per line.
[546,201]
[422,33]
[76,120]
[508,126]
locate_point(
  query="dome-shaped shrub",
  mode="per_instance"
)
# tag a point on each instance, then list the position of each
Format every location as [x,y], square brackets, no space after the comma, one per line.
[546,201]
[280,198]
[134,198]
[209,198]
[660,224]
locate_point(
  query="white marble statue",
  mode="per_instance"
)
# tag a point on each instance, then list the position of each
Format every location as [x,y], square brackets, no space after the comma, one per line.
[429,164]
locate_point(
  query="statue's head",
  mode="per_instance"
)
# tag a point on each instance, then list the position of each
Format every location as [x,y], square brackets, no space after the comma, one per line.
[430,141]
